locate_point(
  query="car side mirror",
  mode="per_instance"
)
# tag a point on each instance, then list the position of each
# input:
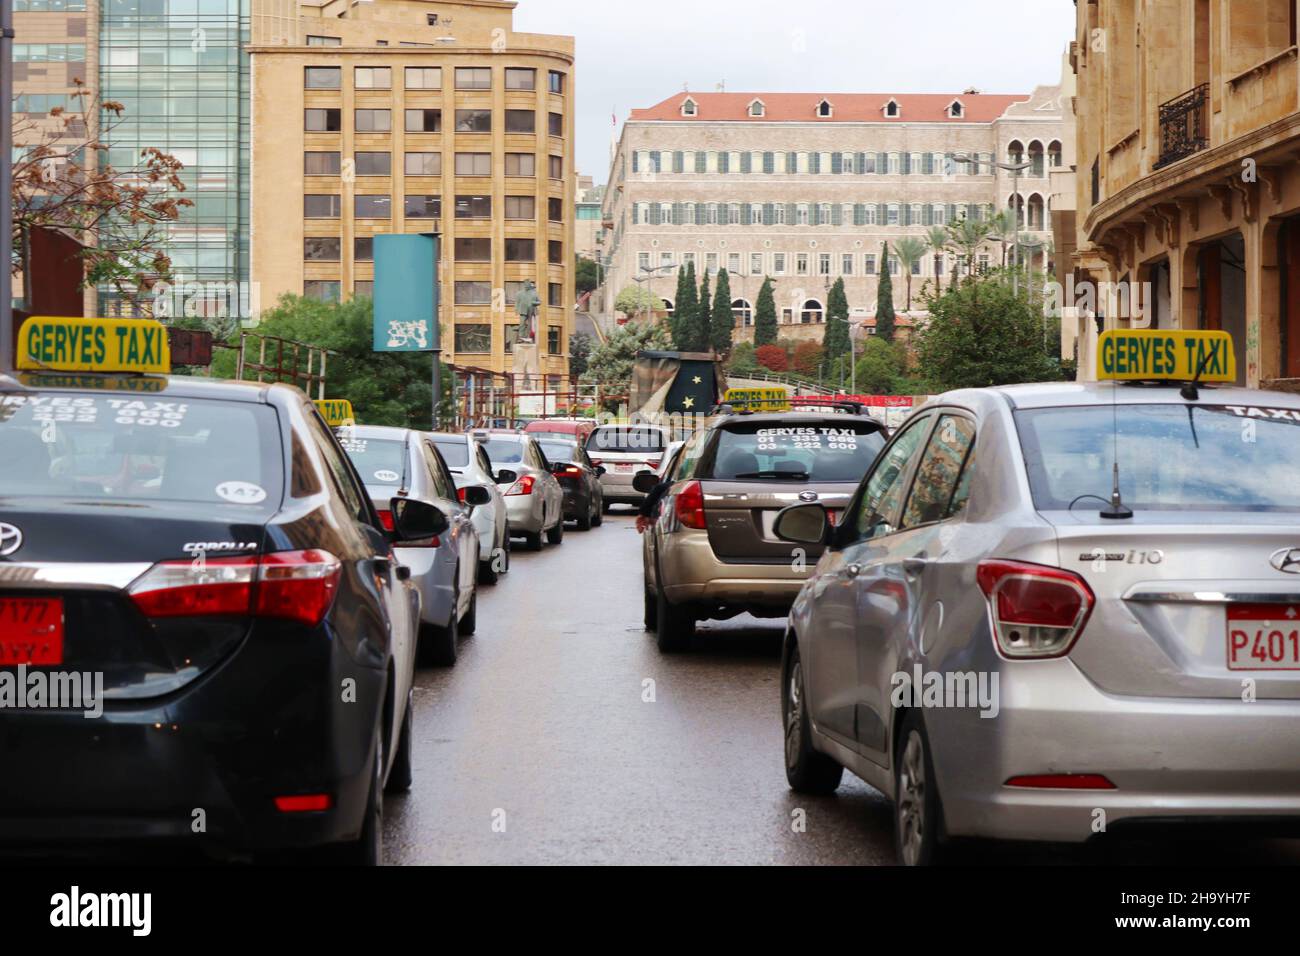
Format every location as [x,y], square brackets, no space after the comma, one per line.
[802,524]
[506,477]
[599,470]
[416,520]
[476,495]
[645,482]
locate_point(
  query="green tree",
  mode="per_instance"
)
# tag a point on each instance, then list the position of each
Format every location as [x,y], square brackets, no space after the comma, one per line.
[765,315]
[686,312]
[636,300]
[835,340]
[742,360]
[579,352]
[910,252]
[981,334]
[586,275]
[881,368]
[721,320]
[885,299]
[611,362]
[685,281]
[967,235]
[1002,227]
[698,338]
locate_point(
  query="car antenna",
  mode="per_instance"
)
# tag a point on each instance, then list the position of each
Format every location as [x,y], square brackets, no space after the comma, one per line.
[1189,390]
[1116,510]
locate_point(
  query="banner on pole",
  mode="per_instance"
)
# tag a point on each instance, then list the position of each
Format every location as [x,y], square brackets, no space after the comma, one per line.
[406,293]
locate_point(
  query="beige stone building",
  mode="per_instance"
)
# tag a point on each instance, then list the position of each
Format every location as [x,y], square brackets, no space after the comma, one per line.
[1188,131]
[805,188]
[403,116]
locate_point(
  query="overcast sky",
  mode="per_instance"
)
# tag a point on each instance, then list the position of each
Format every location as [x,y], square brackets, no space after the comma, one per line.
[635,53]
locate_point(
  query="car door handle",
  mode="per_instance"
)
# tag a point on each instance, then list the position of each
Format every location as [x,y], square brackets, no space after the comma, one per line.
[914,566]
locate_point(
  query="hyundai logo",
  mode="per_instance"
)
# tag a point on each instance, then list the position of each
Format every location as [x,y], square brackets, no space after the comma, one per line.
[11,539]
[1288,559]
[812,496]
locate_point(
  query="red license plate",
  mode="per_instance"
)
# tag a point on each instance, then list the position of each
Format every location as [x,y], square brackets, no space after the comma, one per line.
[1263,637]
[31,630]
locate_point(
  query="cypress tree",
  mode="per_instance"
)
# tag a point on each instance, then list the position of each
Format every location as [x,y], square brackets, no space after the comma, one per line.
[721,319]
[885,300]
[765,316]
[702,326]
[674,320]
[835,341]
[686,311]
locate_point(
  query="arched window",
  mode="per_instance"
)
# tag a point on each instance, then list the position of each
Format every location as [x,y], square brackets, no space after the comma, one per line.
[1015,151]
[956,110]
[892,109]
[757,108]
[1036,213]
[1054,153]
[812,313]
[689,107]
[742,312]
[1037,169]
[1017,203]
[825,110]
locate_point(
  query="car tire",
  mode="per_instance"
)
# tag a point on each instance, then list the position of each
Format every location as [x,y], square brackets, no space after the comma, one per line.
[584,519]
[487,572]
[807,770]
[533,541]
[368,848]
[556,534]
[651,611]
[598,515]
[469,623]
[399,775]
[918,817]
[674,625]
[439,645]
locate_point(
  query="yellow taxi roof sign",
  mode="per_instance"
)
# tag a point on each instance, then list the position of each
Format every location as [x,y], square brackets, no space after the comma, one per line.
[1176,355]
[66,344]
[337,412]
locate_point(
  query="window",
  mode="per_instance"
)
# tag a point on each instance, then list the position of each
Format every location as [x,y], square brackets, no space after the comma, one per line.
[893,265]
[556,82]
[473,293]
[521,250]
[322,290]
[643,261]
[801,214]
[742,313]
[475,121]
[757,109]
[322,77]
[473,207]
[689,108]
[512,290]
[521,121]
[473,164]
[824,264]
[320,164]
[372,121]
[321,207]
[424,121]
[955,111]
[756,263]
[938,265]
[324,41]
[869,264]
[555,252]
[892,109]
[554,294]
[473,338]
[321,249]
[556,167]
[801,264]
[53,53]
[473,78]
[422,207]
[518,78]
[322,121]
[733,263]
[363,249]
[824,109]
[424,164]
[846,264]
[555,209]
[916,266]
[521,207]
[373,78]
[374,164]
[552,340]
[883,496]
[778,263]
[521,164]
[892,215]
[666,259]
[363,288]
[473,250]
[711,263]
[424,77]
[555,124]
[812,313]
[372,207]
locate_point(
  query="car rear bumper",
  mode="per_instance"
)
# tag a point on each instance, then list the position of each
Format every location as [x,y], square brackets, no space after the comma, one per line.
[617,488]
[693,574]
[524,513]
[202,766]
[1170,759]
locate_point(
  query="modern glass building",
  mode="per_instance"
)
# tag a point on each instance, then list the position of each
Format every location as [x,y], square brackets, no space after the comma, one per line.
[180,70]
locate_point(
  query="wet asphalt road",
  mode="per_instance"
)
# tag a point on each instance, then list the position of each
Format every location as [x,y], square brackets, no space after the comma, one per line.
[538,747]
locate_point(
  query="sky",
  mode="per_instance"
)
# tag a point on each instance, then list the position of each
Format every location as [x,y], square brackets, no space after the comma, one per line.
[635,53]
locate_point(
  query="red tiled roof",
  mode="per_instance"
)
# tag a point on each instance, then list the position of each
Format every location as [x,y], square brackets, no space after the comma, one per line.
[846,107]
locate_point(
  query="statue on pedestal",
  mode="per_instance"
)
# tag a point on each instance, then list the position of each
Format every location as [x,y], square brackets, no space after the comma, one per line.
[526,304]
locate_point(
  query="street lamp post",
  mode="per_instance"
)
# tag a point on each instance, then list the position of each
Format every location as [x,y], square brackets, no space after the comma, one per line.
[6,174]
[648,274]
[1015,169]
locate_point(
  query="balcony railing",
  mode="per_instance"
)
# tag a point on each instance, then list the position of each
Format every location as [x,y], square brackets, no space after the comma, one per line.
[1183,128]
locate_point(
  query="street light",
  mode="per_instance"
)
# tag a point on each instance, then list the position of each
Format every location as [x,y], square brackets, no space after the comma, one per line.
[1015,169]
[648,274]
[6,173]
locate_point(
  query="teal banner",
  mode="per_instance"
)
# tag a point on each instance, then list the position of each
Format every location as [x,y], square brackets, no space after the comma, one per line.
[406,293]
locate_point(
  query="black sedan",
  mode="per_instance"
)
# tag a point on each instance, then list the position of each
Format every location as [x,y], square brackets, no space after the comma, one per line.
[192,575]
[579,478]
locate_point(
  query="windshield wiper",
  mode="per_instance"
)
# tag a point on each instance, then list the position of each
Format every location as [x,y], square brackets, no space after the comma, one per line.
[788,475]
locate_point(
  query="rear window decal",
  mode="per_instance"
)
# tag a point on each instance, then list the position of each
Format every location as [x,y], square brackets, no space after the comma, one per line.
[241,492]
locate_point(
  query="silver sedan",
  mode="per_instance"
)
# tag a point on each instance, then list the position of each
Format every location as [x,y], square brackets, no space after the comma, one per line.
[1056,610]
[534,499]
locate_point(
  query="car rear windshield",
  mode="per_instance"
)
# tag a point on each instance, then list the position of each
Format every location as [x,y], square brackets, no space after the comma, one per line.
[805,452]
[630,438]
[454,453]
[140,448]
[503,451]
[379,461]
[559,450]
[1185,457]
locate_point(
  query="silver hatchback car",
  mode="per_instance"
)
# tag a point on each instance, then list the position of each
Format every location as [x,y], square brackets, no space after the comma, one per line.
[1052,610]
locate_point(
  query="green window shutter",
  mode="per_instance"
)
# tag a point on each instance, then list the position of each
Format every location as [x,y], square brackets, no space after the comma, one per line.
[859,214]
[837,164]
[927,214]
[882,163]
[907,164]
[952,212]
[907,214]
[769,214]
[927,164]
[724,162]
[815,214]
[679,162]
[636,161]
[746,162]
[702,161]
[814,162]
[791,213]
[837,215]
[769,162]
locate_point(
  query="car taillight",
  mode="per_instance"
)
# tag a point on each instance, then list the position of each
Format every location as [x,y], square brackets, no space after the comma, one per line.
[1061,781]
[1037,611]
[653,463]
[524,486]
[289,585]
[689,505]
[386,519]
[460,495]
[573,472]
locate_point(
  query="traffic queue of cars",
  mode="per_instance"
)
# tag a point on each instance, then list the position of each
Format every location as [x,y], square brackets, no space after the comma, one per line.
[1042,612]
[237,593]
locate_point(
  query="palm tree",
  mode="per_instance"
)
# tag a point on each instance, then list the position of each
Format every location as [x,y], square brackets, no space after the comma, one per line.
[910,251]
[968,235]
[1002,227]
[938,240]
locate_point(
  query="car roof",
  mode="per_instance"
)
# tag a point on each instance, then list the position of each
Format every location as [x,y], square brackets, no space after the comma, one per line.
[1063,394]
[794,418]
[380,431]
[442,436]
[173,386]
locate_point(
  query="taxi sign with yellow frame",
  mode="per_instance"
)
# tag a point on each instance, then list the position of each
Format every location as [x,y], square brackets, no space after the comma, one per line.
[758,399]
[1172,355]
[337,412]
[65,344]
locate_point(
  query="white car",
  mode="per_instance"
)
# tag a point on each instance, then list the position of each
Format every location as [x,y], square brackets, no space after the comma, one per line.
[534,499]
[470,468]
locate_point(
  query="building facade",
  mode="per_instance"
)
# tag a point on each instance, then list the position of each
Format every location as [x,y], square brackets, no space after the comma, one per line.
[1188,191]
[403,116]
[806,188]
